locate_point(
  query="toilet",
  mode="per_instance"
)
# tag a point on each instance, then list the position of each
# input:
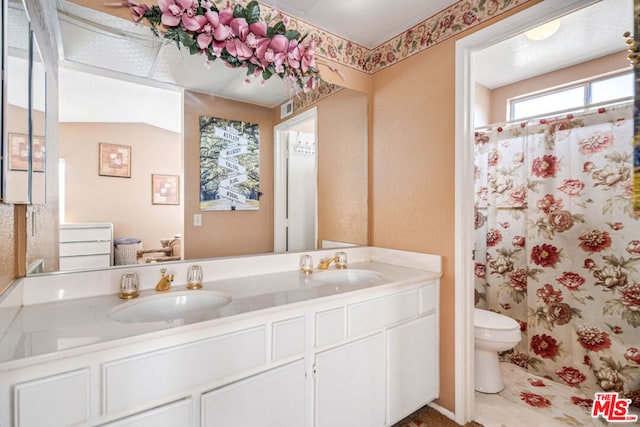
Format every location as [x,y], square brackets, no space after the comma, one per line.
[493,333]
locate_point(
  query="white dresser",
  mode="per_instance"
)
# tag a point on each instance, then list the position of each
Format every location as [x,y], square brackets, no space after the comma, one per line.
[86,246]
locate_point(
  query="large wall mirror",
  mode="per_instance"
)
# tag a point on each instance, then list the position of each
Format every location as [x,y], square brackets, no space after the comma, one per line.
[24,98]
[124,92]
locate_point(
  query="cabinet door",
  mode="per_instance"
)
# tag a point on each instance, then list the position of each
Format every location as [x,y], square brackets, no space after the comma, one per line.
[350,384]
[272,399]
[58,400]
[155,376]
[171,415]
[412,367]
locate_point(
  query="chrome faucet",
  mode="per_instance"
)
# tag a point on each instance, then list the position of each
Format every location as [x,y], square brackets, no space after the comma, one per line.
[165,281]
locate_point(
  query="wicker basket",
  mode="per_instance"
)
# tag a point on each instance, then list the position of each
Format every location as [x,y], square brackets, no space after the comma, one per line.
[127,253]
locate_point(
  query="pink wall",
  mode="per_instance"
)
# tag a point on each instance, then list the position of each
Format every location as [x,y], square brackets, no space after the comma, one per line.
[412,197]
[412,172]
[482,107]
[225,233]
[342,168]
[126,202]
[342,177]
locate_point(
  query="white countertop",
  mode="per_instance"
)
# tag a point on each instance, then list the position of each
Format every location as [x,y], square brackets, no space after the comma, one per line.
[40,329]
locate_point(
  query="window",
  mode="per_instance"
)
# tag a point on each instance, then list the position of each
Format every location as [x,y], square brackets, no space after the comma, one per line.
[592,92]
[613,88]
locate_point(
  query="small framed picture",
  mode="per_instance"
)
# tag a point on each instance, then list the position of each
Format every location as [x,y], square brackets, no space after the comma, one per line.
[114,160]
[18,152]
[165,189]
[39,154]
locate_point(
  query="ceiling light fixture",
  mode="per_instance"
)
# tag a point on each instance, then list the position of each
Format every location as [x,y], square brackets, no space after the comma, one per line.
[543,31]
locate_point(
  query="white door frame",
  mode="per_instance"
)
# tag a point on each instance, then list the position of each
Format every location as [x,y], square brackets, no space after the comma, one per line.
[464,228]
[280,177]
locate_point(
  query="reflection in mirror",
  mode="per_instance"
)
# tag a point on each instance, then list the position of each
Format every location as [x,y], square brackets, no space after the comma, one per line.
[119,86]
[16,137]
[38,126]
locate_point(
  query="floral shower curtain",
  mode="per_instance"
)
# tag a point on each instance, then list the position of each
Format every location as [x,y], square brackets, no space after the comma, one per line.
[558,247]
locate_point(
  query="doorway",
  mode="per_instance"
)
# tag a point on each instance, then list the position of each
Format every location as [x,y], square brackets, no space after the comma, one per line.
[464,172]
[295,186]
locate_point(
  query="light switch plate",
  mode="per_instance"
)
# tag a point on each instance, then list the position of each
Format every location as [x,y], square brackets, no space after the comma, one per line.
[197,220]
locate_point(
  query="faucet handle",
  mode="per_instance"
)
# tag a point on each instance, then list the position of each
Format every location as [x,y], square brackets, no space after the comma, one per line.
[341,260]
[128,286]
[306,264]
[163,271]
[194,277]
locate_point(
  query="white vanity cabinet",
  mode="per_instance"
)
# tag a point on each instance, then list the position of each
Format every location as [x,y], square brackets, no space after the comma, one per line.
[57,400]
[275,398]
[173,414]
[349,384]
[389,373]
[412,367]
[151,377]
[366,358]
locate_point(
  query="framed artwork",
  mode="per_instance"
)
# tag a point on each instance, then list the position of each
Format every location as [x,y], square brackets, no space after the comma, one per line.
[39,154]
[229,165]
[18,152]
[114,160]
[165,189]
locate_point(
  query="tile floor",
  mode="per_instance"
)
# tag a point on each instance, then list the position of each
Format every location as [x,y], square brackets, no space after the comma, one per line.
[507,408]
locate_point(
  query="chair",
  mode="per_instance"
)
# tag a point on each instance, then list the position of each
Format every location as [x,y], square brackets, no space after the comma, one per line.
[170,251]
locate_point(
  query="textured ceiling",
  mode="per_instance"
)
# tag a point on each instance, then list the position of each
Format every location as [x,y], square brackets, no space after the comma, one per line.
[586,34]
[17,28]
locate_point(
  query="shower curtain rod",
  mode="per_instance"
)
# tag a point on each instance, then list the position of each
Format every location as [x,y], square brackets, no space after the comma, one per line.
[614,102]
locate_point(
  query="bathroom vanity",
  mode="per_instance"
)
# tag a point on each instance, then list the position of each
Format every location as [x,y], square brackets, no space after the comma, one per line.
[326,349]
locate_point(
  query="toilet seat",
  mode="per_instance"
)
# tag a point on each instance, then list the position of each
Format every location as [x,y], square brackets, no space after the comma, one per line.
[492,326]
[490,320]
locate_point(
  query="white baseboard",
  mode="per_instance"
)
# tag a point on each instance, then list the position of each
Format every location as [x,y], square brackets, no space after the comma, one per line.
[447,413]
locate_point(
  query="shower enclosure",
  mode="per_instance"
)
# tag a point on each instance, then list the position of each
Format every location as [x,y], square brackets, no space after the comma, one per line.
[558,246]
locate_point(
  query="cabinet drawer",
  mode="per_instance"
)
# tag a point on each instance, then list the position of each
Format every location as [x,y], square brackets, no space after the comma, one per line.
[329,326]
[171,415]
[381,312]
[85,261]
[146,378]
[428,298]
[85,248]
[288,338]
[59,400]
[275,398]
[84,234]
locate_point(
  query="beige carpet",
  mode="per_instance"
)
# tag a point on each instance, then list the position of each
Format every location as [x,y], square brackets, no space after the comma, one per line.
[429,417]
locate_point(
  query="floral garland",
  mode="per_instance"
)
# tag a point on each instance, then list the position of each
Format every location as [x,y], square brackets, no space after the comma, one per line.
[236,35]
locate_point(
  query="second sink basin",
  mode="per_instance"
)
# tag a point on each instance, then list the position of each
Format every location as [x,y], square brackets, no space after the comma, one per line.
[346,277]
[169,306]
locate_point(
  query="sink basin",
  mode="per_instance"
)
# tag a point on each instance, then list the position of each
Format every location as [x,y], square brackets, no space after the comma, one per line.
[169,306]
[346,277]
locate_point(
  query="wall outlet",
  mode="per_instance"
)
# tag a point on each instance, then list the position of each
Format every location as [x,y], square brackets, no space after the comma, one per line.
[197,220]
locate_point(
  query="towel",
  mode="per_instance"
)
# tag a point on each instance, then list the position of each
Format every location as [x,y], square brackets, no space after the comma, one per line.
[126,241]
